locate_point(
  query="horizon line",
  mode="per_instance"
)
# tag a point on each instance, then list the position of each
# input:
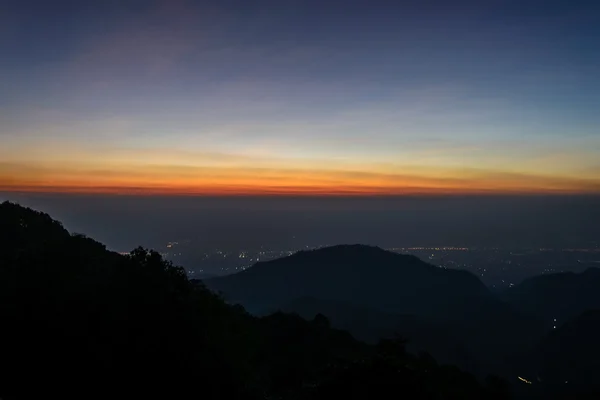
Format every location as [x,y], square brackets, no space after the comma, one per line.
[266,193]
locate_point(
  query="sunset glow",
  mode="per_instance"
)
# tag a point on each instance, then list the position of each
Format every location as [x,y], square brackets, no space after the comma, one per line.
[177,97]
[292,179]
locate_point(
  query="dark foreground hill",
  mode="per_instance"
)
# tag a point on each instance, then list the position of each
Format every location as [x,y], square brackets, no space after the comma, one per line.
[477,328]
[81,322]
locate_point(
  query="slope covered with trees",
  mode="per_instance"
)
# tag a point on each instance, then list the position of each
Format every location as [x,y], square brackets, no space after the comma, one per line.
[79,321]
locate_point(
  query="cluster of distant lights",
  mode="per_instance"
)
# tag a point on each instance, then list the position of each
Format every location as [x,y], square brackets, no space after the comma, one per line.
[251,257]
[421,248]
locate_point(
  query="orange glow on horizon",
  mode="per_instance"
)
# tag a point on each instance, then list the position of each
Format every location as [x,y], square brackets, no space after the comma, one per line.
[307,179]
[282,189]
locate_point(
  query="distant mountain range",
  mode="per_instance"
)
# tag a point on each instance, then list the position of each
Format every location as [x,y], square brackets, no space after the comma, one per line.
[373,292]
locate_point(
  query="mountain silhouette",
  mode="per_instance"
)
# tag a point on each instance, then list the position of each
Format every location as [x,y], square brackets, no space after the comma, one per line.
[80,321]
[391,285]
[557,298]
[357,274]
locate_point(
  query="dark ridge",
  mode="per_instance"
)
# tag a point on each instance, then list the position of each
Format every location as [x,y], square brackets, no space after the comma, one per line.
[351,252]
[338,256]
[557,298]
[355,273]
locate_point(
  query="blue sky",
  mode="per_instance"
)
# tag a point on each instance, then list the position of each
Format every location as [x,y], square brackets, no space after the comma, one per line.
[496,91]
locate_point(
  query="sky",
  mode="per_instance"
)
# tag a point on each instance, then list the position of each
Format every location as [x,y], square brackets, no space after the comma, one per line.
[292,222]
[292,97]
